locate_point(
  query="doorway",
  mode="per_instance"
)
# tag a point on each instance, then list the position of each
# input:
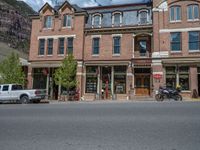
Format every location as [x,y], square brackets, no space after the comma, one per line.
[142,87]
[106,82]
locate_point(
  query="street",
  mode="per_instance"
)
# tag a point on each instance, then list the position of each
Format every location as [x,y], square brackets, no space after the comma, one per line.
[101,126]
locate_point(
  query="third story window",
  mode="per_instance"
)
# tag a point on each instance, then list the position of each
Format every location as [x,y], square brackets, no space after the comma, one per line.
[193,12]
[143,17]
[116,19]
[194,40]
[96,20]
[48,22]
[176,41]
[116,45]
[175,13]
[95,46]
[67,21]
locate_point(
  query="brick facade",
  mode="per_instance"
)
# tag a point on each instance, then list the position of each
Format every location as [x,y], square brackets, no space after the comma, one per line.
[145,48]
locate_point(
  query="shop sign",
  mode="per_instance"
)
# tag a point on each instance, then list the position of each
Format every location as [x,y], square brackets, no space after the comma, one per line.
[157,76]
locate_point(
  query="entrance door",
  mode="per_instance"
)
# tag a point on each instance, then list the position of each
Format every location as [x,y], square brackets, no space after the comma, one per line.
[106,82]
[142,87]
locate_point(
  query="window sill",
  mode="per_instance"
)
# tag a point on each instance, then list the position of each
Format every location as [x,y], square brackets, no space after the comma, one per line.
[68,27]
[40,55]
[47,28]
[176,21]
[116,55]
[193,20]
[61,55]
[194,51]
[49,55]
[95,55]
[176,52]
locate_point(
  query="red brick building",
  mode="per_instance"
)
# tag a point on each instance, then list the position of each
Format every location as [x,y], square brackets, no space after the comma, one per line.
[123,51]
[176,55]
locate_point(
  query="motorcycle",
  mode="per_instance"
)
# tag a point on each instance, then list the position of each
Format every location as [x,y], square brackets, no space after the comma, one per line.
[168,93]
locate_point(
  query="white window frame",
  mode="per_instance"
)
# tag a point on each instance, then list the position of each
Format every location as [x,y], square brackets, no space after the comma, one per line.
[113,18]
[67,15]
[100,20]
[44,25]
[139,15]
[175,12]
[193,19]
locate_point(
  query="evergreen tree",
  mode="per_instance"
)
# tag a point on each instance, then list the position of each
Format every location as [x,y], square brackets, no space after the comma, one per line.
[65,75]
[11,70]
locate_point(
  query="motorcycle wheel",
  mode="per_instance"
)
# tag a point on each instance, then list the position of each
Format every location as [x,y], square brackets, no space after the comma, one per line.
[159,97]
[178,98]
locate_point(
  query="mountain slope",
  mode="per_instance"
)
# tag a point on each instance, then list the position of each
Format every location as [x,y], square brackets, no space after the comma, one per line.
[15,25]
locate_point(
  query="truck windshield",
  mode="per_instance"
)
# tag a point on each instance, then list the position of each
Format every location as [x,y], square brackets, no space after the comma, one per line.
[16,87]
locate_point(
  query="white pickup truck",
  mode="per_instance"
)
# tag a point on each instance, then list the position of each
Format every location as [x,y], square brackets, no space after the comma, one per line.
[15,93]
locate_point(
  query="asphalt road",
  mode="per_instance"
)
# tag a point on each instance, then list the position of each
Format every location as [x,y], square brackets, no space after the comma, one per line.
[101,126]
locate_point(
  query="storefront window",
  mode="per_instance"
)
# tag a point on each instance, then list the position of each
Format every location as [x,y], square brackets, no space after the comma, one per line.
[184,78]
[171,77]
[91,79]
[175,76]
[120,79]
[39,78]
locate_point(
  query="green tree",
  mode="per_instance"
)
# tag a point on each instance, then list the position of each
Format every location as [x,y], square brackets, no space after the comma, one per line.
[65,75]
[11,70]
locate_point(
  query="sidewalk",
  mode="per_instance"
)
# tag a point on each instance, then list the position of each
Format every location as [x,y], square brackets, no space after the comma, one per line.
[113,101]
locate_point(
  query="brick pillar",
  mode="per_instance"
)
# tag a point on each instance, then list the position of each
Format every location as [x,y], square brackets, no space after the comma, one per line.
[130,82]
[193,79]
[30,78]
[158,69]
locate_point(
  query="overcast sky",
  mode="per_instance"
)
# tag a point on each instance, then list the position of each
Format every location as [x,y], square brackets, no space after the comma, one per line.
[37,4]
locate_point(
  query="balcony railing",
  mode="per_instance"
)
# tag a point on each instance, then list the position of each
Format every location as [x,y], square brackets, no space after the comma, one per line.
[139,54]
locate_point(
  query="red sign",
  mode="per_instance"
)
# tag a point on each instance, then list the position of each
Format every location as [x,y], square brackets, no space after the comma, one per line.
[157,76]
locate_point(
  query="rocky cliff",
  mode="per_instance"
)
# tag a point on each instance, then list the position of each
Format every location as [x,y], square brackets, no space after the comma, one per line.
[15,25]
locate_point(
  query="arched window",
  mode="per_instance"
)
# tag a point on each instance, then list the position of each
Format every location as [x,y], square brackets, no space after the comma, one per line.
[143,17]
[175,13]
[96,20]
[193,12]
[117,19]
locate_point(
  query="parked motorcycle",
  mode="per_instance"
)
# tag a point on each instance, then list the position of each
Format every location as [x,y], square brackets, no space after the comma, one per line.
[168,93]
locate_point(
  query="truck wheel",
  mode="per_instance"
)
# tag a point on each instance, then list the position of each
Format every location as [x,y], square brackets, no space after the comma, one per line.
[24,99]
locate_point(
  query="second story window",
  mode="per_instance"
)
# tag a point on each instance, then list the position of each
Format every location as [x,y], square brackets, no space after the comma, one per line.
[61,46]
[95,46]
[193,12]
[70,45]
[116,45]
[175,13]
[143,47]
[143,17]
[176,41]
[41,47]
[48,22]
[50,47]
[194,40]
[96,20]
[67,21]
[117,19]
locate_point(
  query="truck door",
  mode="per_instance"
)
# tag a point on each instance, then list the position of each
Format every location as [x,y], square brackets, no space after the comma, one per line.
[5,94]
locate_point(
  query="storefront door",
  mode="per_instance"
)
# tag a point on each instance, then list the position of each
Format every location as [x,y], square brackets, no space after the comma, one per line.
[106,82]
[142,85]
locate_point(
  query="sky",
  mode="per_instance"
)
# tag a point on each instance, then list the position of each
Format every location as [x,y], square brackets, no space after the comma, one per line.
[37,4]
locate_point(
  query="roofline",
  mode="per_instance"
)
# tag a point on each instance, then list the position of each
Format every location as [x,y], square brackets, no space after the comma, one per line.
[116,6]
